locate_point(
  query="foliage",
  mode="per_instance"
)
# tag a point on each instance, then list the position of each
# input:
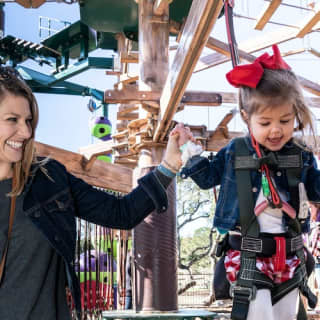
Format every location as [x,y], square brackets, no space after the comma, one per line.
[194,205]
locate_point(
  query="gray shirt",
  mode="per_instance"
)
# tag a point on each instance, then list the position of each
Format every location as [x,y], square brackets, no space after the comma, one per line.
[33,286]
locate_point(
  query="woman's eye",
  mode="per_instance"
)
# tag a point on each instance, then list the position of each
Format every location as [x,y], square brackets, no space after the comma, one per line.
[284,121]
[13,119]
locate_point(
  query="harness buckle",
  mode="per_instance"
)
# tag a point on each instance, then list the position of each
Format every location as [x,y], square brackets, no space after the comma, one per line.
[251,244]
[296,243]
[243,293]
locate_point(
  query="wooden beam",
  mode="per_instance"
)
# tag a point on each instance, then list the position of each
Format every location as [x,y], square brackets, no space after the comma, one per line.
[223,48]
[30,3]
[129,96]
[132,57]
[160,6]
[128,116]
[313,102]
[102,174]
[309,22]
[314,52]
[308,85]
[217,142]
[222,127]
[200,21]
[103,146]
[126,108]
[250,46]
[267,13]
[293,52]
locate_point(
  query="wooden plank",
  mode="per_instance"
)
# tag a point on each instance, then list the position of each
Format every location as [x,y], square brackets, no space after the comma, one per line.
[160,6]
[223,48]
[314,52]
[313,102]
[37,3]
[309,22]
[174,27]
[129,96]
[232,98]
[103,146]
[102,174]
[250,46]
[132,57]
[308,85]
[217,142]
[30,3]
[293,52]
[128,116]
[25,3]
[200,21]
[126,108]
[266,14]
[222,127]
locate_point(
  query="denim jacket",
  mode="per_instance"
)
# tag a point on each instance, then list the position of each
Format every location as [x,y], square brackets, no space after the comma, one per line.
[220,171]
[53,198]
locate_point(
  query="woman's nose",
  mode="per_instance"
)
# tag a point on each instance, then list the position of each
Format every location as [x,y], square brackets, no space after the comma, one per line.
[25,130]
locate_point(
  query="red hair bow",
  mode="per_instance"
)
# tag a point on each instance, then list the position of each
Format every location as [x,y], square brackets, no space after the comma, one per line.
[249,75]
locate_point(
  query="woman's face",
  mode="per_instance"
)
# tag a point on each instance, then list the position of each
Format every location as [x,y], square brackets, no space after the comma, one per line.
[15,128]
[273,127]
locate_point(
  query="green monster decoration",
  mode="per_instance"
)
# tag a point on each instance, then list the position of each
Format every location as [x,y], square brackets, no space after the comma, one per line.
[101,128]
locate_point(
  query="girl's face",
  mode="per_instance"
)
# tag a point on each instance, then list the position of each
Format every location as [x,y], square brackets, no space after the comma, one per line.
[15,129]
[273,127]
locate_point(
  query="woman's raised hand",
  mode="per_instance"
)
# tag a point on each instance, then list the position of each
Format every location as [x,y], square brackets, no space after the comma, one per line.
[179,136]
[172,158]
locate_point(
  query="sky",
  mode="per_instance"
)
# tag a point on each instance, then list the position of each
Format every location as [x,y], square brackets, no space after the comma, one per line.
[64,119]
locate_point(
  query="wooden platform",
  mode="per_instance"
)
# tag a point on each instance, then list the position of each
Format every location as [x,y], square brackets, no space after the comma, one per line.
[180,314]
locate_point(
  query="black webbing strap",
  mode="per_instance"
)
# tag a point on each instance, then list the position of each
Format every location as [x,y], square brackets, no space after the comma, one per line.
[244,290]
[294,177]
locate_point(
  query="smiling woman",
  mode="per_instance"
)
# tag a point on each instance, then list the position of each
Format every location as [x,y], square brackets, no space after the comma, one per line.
[15,129]
[18,121]
[41,200]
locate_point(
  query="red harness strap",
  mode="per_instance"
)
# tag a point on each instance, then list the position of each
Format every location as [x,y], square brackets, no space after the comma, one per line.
[279,259]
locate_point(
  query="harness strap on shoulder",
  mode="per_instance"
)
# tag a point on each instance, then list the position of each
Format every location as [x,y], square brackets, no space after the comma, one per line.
[244,290]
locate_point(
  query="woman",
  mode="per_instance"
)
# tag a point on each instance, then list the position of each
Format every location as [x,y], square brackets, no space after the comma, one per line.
[43,199]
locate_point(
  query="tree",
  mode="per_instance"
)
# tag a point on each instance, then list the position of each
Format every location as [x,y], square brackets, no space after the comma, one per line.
[193,205]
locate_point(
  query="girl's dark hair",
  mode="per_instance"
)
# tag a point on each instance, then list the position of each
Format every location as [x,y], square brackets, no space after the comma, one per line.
[11,83]
[275,88]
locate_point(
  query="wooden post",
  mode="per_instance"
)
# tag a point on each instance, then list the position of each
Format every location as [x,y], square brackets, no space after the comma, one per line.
[155,238]
[153,47]
[155,250]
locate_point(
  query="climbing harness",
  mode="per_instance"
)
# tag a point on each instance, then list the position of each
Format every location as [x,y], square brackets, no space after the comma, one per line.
[253,244]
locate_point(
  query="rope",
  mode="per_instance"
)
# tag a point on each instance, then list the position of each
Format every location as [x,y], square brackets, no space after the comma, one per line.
[274,198]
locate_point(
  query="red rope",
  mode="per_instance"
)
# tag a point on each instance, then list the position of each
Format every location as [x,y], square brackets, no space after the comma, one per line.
[275,199]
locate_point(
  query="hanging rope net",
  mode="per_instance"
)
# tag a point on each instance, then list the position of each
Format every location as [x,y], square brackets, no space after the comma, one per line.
[103,266]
